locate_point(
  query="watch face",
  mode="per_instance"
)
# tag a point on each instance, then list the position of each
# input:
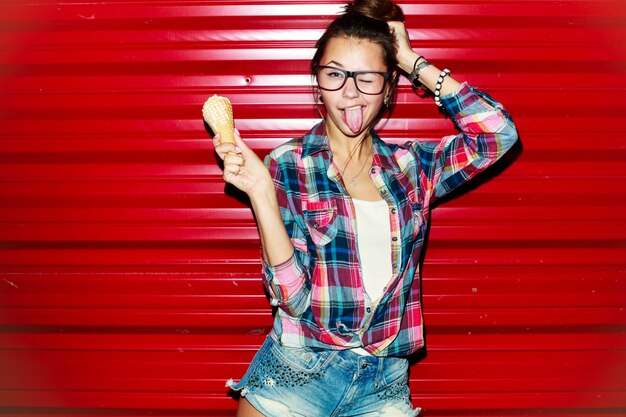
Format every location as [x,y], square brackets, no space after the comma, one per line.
[414,76]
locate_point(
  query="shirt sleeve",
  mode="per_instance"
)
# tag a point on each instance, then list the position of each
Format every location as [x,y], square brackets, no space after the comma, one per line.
[288,283]
[487,132]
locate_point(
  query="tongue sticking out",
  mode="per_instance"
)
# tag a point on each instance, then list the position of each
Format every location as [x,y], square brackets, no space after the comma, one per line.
[354,118]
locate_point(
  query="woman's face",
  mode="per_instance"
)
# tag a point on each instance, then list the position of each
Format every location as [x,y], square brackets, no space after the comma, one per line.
[349,110]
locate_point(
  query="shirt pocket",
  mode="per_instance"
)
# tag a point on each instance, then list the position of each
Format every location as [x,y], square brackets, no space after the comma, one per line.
[417,218]
[320,217]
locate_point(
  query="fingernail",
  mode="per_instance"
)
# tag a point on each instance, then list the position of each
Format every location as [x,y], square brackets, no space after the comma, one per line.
[218,135]
[238,149]
[237,132]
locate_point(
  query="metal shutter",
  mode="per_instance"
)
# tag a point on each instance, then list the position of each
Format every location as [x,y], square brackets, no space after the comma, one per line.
[130,280]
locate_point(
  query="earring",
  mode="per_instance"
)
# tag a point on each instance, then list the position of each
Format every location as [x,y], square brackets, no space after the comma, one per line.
[319,96]
[386,100]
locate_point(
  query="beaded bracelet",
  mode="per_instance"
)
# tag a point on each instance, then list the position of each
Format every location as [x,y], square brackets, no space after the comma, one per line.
[437,91]
[417,68]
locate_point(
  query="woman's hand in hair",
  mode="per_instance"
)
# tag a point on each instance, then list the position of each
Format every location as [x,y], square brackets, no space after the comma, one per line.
[404,52]
[242,167]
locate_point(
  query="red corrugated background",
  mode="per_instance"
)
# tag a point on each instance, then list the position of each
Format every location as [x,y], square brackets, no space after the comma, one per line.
[130,281]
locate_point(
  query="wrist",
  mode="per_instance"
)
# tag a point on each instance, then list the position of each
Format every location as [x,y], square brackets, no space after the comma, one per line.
[263,195]
[420,65]
[407,60]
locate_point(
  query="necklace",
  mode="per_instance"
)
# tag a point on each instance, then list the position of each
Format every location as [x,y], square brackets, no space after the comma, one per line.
[353,182]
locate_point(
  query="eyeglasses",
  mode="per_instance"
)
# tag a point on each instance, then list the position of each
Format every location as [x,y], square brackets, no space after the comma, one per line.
[367,82]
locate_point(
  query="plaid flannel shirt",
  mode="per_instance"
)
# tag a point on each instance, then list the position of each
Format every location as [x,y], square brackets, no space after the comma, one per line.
[319,293]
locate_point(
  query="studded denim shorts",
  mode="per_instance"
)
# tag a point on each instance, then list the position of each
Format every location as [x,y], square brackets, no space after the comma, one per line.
[302,382]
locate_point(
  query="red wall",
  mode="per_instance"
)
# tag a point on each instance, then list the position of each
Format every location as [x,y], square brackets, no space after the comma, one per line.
[130,281]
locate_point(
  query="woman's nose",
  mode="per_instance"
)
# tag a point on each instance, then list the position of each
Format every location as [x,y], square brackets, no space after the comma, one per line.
[350,90]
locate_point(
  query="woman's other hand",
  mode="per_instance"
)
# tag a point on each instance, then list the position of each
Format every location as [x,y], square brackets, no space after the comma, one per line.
[405,54]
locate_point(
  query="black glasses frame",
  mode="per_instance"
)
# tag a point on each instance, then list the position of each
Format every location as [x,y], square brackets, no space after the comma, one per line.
[350,74]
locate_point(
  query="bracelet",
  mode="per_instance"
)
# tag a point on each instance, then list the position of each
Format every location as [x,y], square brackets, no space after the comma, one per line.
[414,77]
[437,91]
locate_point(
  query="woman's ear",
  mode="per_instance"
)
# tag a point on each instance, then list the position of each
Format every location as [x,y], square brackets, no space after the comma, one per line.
[391,85]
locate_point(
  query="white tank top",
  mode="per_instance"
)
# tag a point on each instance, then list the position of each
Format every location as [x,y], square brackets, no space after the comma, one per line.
[374,243]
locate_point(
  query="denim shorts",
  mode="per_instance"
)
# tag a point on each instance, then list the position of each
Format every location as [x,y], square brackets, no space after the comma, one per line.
[303,382]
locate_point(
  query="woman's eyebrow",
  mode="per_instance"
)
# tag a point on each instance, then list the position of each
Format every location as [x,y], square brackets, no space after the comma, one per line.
[335,62]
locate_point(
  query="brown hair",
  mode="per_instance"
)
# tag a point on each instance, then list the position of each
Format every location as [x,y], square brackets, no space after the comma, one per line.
[376,9]
[366,20]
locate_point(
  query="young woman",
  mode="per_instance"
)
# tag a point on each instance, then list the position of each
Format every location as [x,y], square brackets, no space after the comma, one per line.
[342,216]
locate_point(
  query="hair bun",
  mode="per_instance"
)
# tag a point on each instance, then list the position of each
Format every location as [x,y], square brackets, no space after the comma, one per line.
[385,10]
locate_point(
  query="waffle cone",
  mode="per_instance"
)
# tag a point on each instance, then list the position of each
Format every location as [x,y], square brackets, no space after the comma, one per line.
[218,113]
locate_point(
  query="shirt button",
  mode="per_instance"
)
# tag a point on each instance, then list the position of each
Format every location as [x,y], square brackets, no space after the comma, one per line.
[373,170]
[368,309]
[383,192]
[395,239]
[394,210]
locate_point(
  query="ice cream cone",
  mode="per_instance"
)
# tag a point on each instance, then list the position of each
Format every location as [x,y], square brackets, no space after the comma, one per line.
[218,113]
